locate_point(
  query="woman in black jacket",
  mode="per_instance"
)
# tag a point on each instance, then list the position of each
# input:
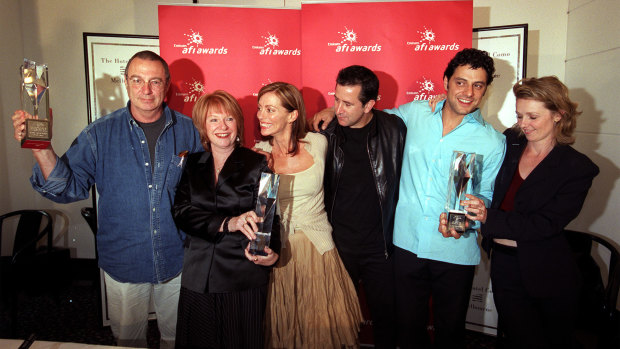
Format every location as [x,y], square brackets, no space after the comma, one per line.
[539,189]
[223,287]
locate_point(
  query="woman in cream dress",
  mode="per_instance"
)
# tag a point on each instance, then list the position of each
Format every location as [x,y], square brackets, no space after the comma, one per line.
[311,302]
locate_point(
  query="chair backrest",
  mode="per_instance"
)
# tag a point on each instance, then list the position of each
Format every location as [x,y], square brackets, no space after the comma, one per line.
[29,232]
[90,215]
[581,244]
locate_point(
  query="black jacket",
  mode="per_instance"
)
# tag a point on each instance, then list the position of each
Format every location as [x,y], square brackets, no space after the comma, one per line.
[550,197]
[386,143]
[215,262]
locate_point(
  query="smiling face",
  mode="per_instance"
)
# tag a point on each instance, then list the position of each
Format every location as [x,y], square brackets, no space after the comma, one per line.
[146,87]
[274,118]
[536,121]
[465,90]
[221,129]
[349,109]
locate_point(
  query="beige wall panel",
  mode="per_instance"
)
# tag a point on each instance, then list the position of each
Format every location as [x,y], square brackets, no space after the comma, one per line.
[600,212]
[593,27]
[593,82]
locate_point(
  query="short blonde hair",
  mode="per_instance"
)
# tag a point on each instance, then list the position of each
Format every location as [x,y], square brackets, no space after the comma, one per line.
[554,94]
[218,100]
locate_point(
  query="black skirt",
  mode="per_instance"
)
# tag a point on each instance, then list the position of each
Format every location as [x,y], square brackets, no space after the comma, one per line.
[221,320]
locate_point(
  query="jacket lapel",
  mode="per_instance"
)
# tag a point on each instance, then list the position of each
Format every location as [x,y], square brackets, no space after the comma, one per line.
[233,164]
[514,149]
[545,168]
[205,169]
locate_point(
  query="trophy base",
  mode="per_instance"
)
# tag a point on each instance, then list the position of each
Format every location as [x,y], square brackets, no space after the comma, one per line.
[37,134]
[456,221]
[257,246]
[35,143]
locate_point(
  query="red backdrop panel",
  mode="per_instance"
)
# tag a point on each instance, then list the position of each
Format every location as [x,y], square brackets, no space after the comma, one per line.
[407,44]
[238,50]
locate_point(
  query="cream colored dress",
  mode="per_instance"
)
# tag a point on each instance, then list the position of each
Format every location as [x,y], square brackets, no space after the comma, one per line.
[312,302]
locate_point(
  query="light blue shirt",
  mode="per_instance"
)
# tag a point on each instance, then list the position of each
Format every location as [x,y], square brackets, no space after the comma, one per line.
[424,180]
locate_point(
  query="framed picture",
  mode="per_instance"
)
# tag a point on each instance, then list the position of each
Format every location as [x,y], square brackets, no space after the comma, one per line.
[507,45]
[105,59]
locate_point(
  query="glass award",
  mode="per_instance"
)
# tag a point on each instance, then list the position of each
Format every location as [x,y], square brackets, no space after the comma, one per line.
[34,93]
[265,210]
[460,182]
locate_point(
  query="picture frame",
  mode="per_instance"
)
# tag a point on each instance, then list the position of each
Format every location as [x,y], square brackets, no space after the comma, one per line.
[507,45]
[105,58]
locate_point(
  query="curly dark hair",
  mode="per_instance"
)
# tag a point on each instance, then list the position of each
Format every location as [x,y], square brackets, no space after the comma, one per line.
[360,75]
[474,58]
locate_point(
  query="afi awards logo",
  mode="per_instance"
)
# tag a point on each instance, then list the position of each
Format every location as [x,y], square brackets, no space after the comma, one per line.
[194,90]
[195,45]
[271,47]
[349,43]
[427,42]
[426,90]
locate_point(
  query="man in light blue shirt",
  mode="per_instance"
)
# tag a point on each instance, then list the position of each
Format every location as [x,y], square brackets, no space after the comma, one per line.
[428,263]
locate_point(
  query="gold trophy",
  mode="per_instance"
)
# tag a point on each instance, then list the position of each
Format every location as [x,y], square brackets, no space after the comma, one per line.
[35,100]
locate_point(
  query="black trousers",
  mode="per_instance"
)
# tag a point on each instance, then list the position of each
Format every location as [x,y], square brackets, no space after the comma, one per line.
[526,321]
[448,284]
[377,276]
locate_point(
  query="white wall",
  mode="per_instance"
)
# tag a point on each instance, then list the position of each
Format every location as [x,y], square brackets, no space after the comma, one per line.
[547,20]
[592,75]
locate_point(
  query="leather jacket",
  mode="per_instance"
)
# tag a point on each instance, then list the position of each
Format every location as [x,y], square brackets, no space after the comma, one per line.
[386,141]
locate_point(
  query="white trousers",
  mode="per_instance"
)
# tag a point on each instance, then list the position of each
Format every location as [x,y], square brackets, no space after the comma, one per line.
[128,308]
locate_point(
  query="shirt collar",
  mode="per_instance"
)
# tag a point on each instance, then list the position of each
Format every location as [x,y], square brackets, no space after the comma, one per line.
[475,115]
[168,114]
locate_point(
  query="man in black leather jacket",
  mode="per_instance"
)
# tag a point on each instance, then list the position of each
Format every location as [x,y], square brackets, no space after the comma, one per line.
[362,172]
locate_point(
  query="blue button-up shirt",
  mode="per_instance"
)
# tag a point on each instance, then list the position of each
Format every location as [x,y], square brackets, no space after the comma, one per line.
[424,180]
[137,239]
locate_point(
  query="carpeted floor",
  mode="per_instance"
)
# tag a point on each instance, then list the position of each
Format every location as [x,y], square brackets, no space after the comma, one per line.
[74,316]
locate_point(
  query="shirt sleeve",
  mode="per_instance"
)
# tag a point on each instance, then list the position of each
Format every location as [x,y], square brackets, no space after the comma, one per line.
[408,110]
[490,167]
[400,111]
[73,175]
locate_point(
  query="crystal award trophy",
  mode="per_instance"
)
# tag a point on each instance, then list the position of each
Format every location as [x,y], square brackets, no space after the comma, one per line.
[462,169]
[265,210]
[34,93]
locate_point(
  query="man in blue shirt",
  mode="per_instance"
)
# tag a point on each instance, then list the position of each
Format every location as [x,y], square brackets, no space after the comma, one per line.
[134,156]
[428,263]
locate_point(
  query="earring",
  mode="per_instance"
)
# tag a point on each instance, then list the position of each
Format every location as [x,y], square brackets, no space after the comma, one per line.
[238,139]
